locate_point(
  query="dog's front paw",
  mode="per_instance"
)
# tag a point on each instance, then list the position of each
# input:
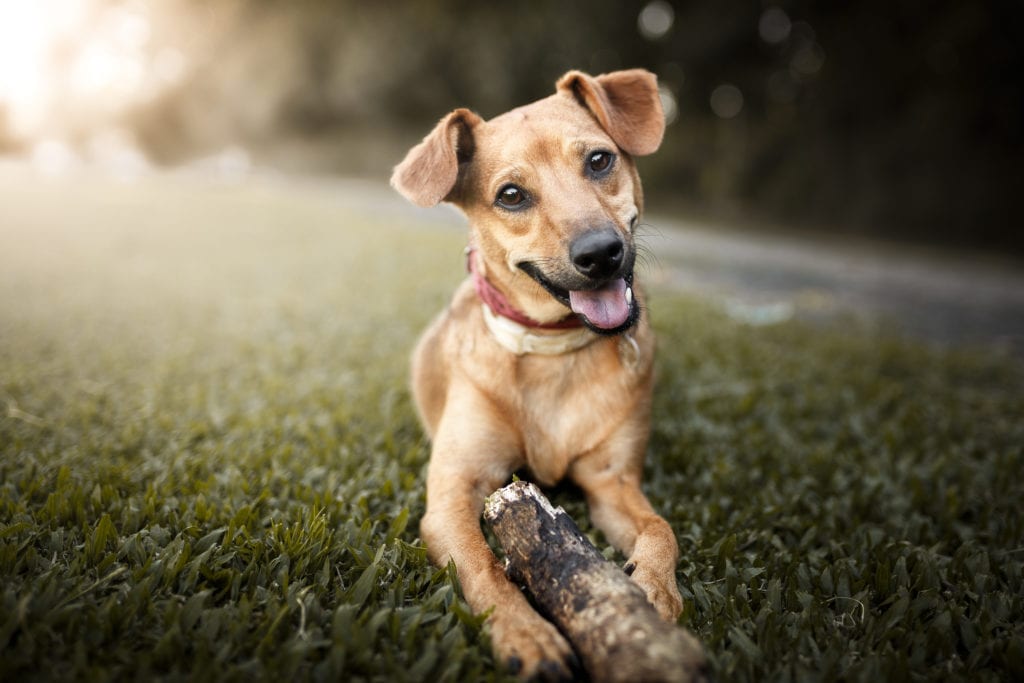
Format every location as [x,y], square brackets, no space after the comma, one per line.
[660,588]
[532,648]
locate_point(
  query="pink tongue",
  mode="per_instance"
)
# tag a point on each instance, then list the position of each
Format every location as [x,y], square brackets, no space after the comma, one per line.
[606,308]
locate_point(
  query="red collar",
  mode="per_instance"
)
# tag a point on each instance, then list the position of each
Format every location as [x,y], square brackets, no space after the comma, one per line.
[500,305]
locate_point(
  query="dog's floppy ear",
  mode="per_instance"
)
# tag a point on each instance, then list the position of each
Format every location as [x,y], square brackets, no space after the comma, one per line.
[430,170]
[626,104]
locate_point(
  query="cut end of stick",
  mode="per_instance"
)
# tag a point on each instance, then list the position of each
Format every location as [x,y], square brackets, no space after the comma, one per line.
[516,491]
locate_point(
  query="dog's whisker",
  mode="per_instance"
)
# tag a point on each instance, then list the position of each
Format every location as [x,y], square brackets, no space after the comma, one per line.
[647,256]
[642,228]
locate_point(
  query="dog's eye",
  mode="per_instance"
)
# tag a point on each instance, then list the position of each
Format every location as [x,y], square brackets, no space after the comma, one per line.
[599,162]
[511,197]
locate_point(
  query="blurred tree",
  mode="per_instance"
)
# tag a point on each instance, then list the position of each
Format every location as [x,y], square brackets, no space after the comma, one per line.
[890,118]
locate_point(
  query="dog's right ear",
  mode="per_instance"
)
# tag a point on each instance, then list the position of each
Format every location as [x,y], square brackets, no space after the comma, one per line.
[430,170]
[625,103]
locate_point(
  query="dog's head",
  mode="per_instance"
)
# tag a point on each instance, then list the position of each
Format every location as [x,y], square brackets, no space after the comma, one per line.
[551,192]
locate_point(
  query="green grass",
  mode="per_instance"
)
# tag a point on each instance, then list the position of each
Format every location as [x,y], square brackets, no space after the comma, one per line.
[210,468]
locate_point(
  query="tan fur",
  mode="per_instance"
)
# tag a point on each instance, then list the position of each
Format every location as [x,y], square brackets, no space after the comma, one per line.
[582,415]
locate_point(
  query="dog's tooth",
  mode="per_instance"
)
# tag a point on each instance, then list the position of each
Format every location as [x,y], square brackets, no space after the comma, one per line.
[629,295]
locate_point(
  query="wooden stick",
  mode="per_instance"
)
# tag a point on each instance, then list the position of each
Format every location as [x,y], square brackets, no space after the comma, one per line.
[616,633]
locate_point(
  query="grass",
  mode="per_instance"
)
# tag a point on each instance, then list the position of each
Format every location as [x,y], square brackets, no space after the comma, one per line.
[210,468]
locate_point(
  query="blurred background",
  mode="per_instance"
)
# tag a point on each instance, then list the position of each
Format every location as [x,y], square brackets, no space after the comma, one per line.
[893,119]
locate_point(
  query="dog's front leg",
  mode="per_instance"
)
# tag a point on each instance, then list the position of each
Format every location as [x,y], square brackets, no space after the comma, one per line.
[473,454]
[619,508]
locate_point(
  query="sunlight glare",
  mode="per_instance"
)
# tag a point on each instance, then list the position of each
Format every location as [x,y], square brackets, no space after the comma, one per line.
[28,33]
[61,59]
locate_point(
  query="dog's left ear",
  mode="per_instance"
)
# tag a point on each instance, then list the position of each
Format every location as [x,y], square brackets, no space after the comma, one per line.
[626,104]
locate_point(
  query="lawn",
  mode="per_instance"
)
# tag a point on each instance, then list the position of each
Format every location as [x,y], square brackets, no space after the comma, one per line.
[210,467]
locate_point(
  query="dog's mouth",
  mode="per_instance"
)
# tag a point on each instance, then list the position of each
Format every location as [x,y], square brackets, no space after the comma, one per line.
[607,307]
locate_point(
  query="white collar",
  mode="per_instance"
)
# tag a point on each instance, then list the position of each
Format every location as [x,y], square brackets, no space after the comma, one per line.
[520,340]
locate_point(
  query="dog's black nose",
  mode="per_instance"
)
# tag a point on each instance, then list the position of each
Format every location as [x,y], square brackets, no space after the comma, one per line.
[597,253]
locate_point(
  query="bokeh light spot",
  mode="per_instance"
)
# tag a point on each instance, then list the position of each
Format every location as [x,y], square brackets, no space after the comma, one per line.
[53,158]
[774,26]
[726,101]
[668,104]
[808,59]
[656,19]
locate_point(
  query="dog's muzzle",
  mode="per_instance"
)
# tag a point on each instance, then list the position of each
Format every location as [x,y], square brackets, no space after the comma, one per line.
[600,290]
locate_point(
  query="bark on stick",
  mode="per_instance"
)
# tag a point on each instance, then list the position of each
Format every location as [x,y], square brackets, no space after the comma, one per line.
[616,633]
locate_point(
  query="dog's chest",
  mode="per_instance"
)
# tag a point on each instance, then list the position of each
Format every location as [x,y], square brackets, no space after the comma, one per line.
[570,407]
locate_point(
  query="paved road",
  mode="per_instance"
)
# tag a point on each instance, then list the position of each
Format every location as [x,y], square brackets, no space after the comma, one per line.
[941,296]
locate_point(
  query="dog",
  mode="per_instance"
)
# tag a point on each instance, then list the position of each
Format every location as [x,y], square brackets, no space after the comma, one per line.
[543,360]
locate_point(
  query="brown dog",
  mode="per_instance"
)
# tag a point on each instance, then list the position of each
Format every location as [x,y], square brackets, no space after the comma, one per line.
[544,357]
